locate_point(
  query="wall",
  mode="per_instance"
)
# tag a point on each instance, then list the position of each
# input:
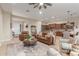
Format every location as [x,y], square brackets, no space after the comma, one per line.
[39,23]
[5,32]
[1,26]
[36,23]
[6,26]
[53,21]
[75,19]
[28,22]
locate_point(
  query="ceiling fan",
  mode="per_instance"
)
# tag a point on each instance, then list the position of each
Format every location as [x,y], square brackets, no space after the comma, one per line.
[40,5]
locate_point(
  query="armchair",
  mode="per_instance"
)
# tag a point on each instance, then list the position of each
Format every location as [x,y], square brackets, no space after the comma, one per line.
[66,46]
[23,35]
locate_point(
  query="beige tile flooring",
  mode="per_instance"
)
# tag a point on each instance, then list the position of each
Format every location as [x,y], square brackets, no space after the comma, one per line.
[3,50]
[3,47]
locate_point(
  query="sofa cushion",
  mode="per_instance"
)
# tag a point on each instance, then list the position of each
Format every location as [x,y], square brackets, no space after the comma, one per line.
[65,40]
[66,46]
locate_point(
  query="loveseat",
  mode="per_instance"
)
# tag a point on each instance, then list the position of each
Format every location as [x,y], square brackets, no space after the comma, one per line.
[44,38]
[23,35]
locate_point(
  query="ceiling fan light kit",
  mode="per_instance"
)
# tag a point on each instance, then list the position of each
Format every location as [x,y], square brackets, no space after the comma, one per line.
[40,5]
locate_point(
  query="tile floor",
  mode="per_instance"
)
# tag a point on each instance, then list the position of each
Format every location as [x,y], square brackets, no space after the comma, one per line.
[15,47]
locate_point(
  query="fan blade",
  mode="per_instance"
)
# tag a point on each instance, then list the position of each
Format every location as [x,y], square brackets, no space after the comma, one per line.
[36,6]
[49,4]
[32,3]
[44,6]
[39,7]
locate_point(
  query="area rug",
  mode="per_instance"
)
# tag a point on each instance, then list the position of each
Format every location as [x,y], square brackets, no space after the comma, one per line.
[17,49]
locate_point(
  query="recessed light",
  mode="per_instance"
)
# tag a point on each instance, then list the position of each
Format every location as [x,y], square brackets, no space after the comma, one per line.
[52,17]
[40,12]
[41,3]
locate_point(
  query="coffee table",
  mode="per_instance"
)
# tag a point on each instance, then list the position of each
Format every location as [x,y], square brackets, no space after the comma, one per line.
[30,42]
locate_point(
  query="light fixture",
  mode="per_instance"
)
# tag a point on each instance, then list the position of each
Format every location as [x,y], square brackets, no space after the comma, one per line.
[52,17]
[40,12]
[41,3]
[69,14]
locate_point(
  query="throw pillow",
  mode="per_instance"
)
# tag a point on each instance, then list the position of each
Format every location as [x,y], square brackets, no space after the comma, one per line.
[66,46]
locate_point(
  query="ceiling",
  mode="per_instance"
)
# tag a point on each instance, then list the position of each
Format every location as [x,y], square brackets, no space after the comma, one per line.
[57,11]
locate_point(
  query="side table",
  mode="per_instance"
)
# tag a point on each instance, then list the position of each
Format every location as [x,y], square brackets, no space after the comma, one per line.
[75,50]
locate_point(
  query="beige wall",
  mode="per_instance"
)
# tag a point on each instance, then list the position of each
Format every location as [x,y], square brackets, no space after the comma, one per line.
[29,23]
[39,23]
[1,26]
[6,26]
[5,32]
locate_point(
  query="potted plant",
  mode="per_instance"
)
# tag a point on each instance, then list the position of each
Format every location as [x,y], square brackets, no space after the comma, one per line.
[29,41]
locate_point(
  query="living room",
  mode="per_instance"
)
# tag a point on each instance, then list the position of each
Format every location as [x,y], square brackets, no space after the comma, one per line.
[35,29]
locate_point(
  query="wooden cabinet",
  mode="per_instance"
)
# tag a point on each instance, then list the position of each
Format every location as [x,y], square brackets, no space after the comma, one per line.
[58,33]
[57,26]
[45,27]
[63,26]
[70,25]
[52,26]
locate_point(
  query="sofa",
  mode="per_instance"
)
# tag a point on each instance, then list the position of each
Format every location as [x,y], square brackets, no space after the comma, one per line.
[44,38]
[66,45]
[23,35]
